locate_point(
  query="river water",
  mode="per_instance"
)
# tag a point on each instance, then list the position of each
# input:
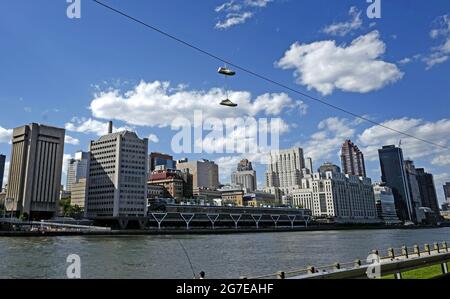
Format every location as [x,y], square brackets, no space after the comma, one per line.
[220,256]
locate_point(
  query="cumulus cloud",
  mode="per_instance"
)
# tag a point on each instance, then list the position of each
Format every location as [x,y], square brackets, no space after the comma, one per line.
[374,137]
[441,160]
[344,28]
[71,140]
[237,12]
[91,126]
[155,104]
[326,66]
[153,138]
[441,32]
[327,141]
[5,135]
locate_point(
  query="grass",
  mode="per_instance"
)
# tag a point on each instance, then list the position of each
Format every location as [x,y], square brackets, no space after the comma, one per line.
[424,273]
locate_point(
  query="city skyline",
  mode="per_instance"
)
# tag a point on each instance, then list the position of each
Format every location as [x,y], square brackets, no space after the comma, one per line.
[88,91]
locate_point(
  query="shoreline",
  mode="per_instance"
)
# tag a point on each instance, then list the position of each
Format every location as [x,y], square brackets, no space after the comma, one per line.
[219,231]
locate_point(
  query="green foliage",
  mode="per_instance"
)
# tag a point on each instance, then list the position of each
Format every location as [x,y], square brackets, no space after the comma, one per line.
[70,210]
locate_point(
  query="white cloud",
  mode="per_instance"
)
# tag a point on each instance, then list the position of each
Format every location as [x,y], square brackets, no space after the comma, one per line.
[237,12]
[439,54]
[233,19]
[5,135]
[405,60]
[325,66]
[374,137]
[71,140]
[344,28]
[441,160]
[153,138]
[153,104]
[326,143]
[90,126]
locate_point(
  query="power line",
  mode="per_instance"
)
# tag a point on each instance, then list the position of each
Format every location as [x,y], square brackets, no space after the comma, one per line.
[267,79]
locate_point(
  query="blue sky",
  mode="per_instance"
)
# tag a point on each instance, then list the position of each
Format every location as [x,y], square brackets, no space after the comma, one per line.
[79,73]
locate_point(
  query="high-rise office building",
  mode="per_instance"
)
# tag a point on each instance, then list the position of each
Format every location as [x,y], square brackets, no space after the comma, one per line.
[333,194]
[245,176]
[394,175]
[309,166]
[284,171]
[117,184]
[78,193]
[427,190]
[77,169]
[205,173]
[413,185]
[160,159]
[35,170]
[385,202]
[352,159]
[447,192]
[329,167]
[2,170]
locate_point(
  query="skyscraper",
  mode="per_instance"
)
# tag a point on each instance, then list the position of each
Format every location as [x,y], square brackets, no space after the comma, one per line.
[35,170]
[394,175]
[205,173]
[427,190]
[77,169]
[329,167]
[117,184]
[352,159]
[245,176]
[447,192]
[160,159]
[284,171]
[413,185]
[2,170]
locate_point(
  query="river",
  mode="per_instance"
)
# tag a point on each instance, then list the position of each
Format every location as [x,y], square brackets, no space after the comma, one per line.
[220,256]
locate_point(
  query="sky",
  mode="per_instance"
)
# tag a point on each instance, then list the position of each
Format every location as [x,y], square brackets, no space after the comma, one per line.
[79,73]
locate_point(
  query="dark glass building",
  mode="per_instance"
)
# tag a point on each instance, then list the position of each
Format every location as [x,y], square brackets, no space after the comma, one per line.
[427,190]
[159,159]
[394,175]
[2,170]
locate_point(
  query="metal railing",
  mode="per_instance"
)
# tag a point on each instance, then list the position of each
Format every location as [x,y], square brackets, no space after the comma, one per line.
[397,261]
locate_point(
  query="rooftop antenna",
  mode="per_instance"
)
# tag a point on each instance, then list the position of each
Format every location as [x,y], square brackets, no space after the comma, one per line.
[400,144]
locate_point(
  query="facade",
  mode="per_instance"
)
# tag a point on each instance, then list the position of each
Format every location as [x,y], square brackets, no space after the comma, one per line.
[309,166]
[2,170]
[232,195]
[259,199]
[155,192]
[335,195]
[117,183]
[205,173]
[352,159]
[447,192]
[160,159]
[394,175]
[206,196]
[427,190]
[414,190]
[35,170]
[284,171]
[77,169]
[245,176]
[385,203]
[78,193]
[329,167]
[171,181]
